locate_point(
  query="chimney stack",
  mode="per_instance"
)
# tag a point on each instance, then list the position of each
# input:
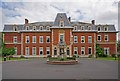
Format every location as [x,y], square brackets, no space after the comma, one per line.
[26,21]
[69,19]
[93,22]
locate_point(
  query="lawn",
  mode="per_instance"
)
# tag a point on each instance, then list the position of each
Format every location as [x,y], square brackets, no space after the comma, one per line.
[107,58]
[7,59]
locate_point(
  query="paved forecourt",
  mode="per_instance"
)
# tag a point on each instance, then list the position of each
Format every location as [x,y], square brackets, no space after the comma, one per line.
[38,69]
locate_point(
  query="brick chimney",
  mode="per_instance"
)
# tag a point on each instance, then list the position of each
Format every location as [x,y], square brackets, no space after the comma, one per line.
[93,22]
[26,21]
[69,19]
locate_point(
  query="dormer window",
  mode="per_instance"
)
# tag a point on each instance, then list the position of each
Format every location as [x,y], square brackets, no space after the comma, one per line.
[47,27]
[34,27]
[41,27]
[61,23]
[105,28]
[27,27]
[89,27]
[15,28]
[98,28]
[82,27]
[75,27]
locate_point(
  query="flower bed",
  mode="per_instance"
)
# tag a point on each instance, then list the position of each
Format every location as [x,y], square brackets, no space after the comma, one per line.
[71,62]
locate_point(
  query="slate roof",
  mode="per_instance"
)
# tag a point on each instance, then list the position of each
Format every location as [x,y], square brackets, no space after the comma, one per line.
[52,24]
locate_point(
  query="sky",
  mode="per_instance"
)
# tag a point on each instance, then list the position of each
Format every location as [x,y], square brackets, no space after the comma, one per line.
[15,11]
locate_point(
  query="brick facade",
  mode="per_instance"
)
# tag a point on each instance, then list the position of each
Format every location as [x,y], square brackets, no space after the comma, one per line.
[66,39]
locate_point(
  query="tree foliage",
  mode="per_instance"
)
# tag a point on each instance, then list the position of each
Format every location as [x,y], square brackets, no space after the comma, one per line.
[8,51]
[99,51]
[118,46]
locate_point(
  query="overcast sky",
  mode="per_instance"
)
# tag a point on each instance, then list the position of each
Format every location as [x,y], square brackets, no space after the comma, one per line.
[102,11]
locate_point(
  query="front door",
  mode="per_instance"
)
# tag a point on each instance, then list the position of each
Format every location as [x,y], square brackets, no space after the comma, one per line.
[61,51]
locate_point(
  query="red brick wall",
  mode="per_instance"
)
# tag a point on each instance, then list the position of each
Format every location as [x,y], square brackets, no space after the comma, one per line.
[111,43]
[37,44]
[111,37]
[86,44]
[112,47]
[56,36]
[8,38]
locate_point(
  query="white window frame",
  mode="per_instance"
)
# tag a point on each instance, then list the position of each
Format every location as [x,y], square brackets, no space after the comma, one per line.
[15,50]
[108,50]
[98,28]
[60,36]
[105,28]
[47,27]
[33,39]
[33,50]
[34,27]
[105,37]
[76,49]
[27,27]
[89,28]
[89,39]
[75,27]
[40,38]
[41,27]
[47,49]
[76,39]
[61,22]
[26,50]
[41,49]
[82,49]
[83,38]
[88,50]
[15,39]
[47,37]
[100,38]
[27,38]
[82,27]
[15,28]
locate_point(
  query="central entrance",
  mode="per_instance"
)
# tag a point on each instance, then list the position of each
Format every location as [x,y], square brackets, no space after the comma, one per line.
[61,51]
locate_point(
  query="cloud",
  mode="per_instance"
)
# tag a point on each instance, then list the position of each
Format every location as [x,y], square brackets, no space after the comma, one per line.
[104,12]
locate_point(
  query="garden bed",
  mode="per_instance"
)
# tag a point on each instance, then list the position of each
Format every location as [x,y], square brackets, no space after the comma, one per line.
[62,61]
[71,62]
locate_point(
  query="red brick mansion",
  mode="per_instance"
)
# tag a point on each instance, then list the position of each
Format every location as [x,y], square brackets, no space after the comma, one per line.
[40,39]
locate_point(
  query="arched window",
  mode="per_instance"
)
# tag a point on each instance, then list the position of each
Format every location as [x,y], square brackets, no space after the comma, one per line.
[34,27]
[98,28]
[82,27]
[15,28]
[55,51]
[75,27]
[41,27]
[105,28]
[89,27]
[61,24]
[27,27]
[68,51]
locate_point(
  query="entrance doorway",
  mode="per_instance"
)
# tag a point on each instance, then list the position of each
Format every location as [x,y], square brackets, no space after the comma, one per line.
[61,51]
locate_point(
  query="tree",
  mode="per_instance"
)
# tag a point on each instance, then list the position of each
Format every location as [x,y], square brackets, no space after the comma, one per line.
[11,51]
[118,46]
[99,51]
[8,52]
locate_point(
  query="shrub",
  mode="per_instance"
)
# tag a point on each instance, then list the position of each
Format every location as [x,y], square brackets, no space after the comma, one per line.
[71,58]
[104,55]
[113,55]
[62,59]
[48,56]
[90,56]
[22,57]
[118,55]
